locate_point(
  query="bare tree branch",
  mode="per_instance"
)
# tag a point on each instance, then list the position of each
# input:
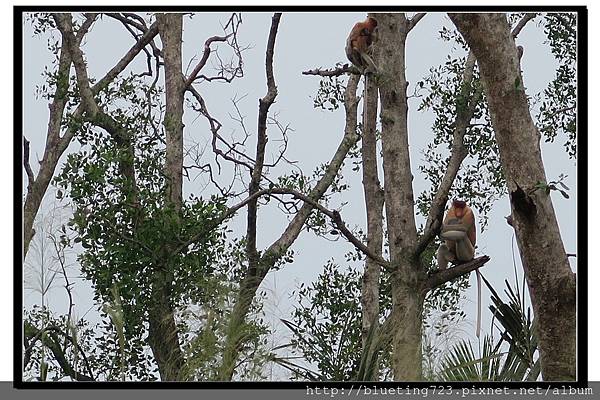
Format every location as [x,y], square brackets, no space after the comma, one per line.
[350,138]
[144,40]
[415,20]
[338,71]
[334,215]
[261,143]
[519,27]
[204,58]
[215,126]
[90,18]
[28,170]
[126,19]
[231,38]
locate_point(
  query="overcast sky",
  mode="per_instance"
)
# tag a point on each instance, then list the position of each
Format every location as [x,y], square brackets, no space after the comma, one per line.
[306,41]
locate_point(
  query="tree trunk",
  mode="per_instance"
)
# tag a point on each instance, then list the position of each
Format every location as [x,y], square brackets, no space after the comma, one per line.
[37,186]
[374,208]
[277,249]
[408,276]
[35,195]
[170,28]
[56,144]
[551,282]
[408,297]
[163,335]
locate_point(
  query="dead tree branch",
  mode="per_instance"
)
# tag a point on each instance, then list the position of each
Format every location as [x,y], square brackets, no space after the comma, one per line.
[338,71]
[415,20]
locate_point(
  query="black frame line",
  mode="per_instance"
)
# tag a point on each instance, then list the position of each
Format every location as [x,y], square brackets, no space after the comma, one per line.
[582,206]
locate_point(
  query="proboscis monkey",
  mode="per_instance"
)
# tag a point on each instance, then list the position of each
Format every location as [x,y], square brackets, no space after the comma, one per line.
[359,49]
[459,234]
[358,44]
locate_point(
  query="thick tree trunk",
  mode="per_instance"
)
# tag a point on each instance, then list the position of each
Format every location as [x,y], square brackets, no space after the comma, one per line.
[163,336]
[374,208]
[551,282]
[408,276]
[407,315]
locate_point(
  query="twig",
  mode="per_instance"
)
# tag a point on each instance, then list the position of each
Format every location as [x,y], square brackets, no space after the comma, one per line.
[28,170]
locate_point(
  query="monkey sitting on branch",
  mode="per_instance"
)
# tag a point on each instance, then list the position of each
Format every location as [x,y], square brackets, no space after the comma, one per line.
[459,234]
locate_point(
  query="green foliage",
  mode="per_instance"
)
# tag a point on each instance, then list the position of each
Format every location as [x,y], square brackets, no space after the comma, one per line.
[41,22]
[115,312]
[204,327]
[480,179]
[327,321]
[326,329]
[90,350]
[496,363]
[557,185]
[368,369]
[330,95]
[557,114]
[127,230]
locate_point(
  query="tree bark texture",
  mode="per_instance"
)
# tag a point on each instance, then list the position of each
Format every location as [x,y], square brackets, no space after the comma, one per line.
[170,29]
[163,335]
[374,209]
[408,276]
[37,186]
[551,282]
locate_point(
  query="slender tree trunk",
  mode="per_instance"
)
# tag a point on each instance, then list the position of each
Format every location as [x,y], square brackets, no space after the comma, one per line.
[551,282]
[37,186]
[170,28]
[55,143]
[408,275]
[257,268]
[374,208]
[163,335]
[33,200]
[277,249]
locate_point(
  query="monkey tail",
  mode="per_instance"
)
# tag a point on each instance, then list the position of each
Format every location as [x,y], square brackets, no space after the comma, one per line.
[478,328]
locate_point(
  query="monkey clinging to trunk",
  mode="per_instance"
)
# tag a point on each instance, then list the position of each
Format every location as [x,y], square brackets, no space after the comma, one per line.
[458,232]
[359,44]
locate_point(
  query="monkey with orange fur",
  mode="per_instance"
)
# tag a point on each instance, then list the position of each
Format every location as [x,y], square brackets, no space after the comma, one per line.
[358,44]
[459,234]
